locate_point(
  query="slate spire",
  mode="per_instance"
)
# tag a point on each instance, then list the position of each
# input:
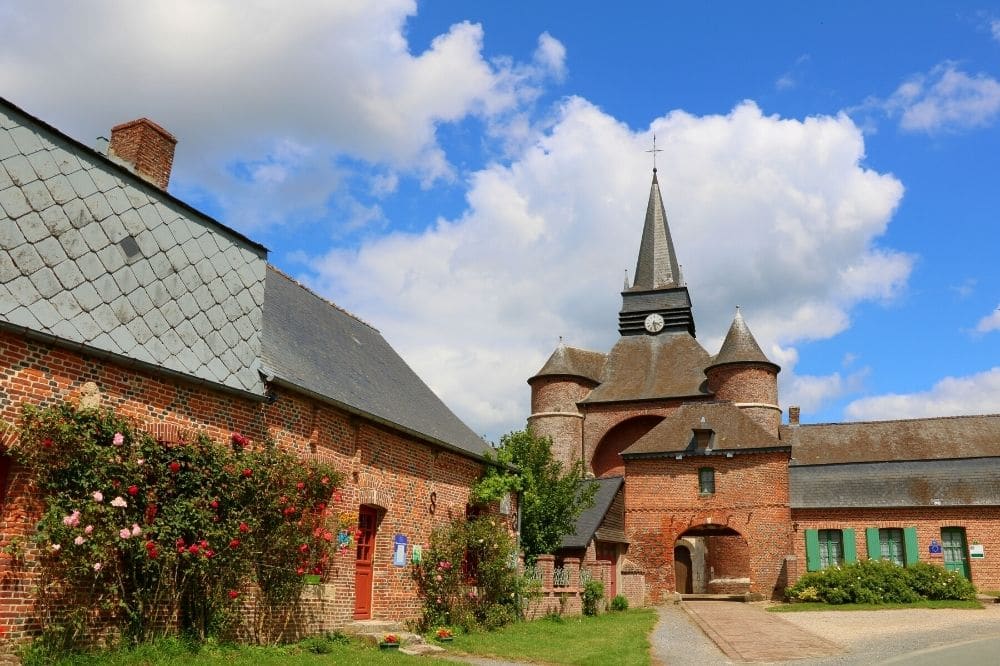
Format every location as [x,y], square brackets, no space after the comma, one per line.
[740,346]
[657,266]
[657,302]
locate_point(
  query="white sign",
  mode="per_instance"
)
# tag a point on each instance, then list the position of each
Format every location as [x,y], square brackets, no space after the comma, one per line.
[977,551]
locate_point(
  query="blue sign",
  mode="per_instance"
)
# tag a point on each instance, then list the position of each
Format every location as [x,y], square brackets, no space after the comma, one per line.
[399,550]
[935,547]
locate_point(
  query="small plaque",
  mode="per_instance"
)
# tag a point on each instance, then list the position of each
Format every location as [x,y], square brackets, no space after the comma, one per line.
[977,551]
[399,550]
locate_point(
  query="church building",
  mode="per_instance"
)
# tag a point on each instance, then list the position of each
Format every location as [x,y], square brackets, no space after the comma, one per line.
[717,496]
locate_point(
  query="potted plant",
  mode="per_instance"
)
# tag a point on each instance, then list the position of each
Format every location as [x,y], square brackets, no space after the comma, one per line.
[389,642]
[444,635]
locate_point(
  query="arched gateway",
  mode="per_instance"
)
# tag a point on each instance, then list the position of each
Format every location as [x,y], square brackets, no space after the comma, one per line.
[711,559]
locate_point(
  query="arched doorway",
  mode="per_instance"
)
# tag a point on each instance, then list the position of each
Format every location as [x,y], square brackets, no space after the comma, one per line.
[719,560]
[607,460]
[683,576]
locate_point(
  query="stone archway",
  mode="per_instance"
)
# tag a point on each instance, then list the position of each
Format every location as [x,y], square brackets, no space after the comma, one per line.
[725,567]
[607,460]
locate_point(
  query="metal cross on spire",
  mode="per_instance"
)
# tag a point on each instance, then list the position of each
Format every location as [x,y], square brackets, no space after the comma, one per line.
[654,151]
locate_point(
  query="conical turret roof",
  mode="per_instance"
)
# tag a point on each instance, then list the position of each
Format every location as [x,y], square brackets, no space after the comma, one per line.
[657,266]
[740,345]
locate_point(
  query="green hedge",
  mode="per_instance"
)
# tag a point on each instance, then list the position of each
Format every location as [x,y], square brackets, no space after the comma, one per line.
[881,582]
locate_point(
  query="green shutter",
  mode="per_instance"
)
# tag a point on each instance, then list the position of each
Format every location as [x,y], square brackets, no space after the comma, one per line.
[874,549]
[911,552]
[812,551]
[850,547]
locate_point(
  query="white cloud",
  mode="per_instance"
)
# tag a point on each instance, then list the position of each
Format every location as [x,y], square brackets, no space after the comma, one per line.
[810,392]
[990,322]
[773,214]
[945,98]
[995,29]
[952,396]
[239,82]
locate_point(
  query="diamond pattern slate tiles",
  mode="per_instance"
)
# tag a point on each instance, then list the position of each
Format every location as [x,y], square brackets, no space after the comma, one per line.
[190,300]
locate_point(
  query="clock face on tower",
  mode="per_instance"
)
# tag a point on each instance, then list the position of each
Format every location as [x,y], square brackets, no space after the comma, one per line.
[654,323]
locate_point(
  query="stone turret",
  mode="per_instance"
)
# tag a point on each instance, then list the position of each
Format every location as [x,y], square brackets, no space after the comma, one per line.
[740,373]
[567,377]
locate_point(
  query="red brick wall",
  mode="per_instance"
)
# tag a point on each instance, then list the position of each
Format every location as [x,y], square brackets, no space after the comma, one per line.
[380,465]
[607,459]
[982,524]
[753,384]
[662,502]
[554,414]
[601,418]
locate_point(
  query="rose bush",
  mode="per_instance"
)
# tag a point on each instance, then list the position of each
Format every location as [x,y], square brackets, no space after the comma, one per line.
[152,535]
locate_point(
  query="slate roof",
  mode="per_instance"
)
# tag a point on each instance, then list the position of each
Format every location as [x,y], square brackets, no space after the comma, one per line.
[935,438]
[740,345]
[656,266]
[92,254]
[965,482]
[590,520]
[313,346]
[573,362]
[732,431]
[649,367]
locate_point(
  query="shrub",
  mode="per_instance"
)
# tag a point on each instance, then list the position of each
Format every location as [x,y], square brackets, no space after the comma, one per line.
[467,578]
[619,603]
[593,593]
[133,529]
[880,582]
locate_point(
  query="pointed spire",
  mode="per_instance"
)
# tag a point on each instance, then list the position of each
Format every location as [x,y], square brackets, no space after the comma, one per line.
[740,345]
[657,265]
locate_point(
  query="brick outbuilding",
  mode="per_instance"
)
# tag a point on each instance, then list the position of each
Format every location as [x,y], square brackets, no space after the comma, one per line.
[114,293]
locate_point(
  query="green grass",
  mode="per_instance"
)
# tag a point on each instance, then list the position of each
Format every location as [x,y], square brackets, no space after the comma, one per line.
[176,651]
[610,638]
[819,606]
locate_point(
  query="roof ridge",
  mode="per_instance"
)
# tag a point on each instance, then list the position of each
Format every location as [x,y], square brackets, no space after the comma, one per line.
[909,420]
[320,297]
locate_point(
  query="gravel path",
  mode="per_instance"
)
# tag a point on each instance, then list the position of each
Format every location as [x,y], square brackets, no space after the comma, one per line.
[677,641]
[874,636]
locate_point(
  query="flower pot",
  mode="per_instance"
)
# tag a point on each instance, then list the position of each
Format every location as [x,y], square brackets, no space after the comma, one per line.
[445,639]
[388,646]
[312,579]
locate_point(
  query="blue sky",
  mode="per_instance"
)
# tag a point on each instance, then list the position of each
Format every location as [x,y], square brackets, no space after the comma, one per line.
[470,178]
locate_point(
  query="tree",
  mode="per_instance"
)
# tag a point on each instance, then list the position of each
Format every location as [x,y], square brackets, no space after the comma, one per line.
[552,495]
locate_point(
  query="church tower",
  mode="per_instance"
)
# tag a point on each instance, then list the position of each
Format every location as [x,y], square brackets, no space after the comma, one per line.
[658,300]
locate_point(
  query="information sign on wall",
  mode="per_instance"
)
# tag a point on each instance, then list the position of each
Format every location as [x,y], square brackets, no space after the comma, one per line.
[977,551]
[399,550]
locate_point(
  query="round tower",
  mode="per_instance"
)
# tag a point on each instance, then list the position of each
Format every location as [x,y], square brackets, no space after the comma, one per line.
[740,373]
[565,379]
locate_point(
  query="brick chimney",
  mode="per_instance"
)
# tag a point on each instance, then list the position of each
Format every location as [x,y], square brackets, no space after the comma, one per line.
[146,147]
[793,415]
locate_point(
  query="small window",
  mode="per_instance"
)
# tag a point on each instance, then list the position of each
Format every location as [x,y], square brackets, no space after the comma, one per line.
[706,481]
[831,548]
[891,544]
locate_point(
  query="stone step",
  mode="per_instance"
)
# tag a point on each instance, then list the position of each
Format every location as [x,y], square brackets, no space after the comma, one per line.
[714,597]
[372,627]
[421,648]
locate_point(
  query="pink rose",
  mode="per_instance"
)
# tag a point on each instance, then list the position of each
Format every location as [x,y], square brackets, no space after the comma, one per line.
[88,529]
[79,540]
[124,533]
[97,566]
[98,496]
[118,439]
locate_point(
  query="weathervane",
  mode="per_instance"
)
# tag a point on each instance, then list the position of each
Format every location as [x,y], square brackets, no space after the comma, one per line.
[654,151]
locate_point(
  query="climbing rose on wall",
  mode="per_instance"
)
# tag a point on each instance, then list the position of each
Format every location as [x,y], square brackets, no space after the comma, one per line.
[160,543]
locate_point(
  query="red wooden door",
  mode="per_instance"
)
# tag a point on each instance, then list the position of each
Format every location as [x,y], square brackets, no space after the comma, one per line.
[363,564]
[609,552]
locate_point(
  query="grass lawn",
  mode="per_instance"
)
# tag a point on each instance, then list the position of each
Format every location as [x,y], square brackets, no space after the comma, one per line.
[818,606]
[610,638]
[173,651]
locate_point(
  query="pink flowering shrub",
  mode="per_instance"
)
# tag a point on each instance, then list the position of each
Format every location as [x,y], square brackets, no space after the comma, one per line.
[187,524]
[468,577]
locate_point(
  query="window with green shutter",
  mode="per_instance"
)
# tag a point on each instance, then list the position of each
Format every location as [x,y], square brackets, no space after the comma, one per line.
[831,548]
[891,545]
